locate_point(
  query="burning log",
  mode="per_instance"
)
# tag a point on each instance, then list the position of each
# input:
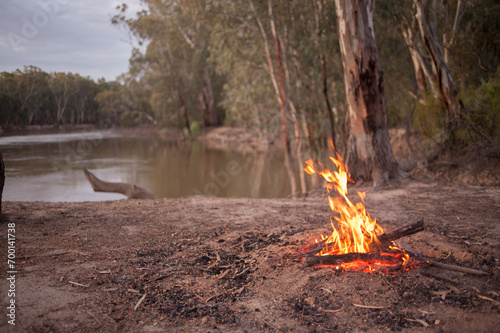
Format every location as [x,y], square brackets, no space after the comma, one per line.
[391,259]
[131,191]
[333,260]
[384,239]
[357,241]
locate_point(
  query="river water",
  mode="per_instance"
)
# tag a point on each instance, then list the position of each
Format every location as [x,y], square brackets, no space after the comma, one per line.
[48,167]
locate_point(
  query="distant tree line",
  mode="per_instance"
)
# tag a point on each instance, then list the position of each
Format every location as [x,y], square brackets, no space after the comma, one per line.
[30,96]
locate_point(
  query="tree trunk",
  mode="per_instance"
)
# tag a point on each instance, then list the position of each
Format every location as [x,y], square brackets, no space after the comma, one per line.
[2,180]
[423,73]
[447,88]
[183,108]
[369,153]
[283,102]
[318,7]
[209,95]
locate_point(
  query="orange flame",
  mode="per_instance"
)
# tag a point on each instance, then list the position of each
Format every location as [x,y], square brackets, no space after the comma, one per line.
[356,231]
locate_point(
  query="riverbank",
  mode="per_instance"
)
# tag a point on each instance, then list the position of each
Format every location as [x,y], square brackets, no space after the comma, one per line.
[473,165]
[205,264]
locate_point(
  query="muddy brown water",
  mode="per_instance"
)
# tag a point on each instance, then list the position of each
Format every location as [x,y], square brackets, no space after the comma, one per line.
[48,167]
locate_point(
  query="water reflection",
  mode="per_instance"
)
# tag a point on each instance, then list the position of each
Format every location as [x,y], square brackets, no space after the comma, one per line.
[49,168]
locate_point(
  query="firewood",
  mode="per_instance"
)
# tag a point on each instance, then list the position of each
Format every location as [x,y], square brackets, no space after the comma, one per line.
[349,257]
[384,239]
[131,191]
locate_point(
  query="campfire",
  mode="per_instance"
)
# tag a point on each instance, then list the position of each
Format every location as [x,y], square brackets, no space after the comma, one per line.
[357,241]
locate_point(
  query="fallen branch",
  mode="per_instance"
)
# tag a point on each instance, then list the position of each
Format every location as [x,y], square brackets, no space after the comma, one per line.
[456,268]
[131,191]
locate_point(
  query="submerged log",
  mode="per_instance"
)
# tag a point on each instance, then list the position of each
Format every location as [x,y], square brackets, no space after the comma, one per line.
[130,190]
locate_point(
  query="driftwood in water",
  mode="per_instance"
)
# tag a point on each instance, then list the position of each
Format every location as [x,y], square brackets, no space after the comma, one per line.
[131,191]
[384,239]
[2,180]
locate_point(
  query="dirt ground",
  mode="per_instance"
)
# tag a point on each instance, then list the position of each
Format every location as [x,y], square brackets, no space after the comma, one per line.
[205,264]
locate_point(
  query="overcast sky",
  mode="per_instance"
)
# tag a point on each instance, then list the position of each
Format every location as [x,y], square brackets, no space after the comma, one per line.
[65,36]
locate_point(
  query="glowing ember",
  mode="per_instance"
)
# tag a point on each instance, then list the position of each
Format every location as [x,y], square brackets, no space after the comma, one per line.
[354,231]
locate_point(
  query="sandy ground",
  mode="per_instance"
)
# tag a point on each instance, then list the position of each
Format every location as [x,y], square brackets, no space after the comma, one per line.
[206,264]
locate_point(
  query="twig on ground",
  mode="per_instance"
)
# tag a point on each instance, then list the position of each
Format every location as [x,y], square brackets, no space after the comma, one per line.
[419,321]
[369,306]
[90,313]
[78,284]
[140,301]
[426,312]
[497,303]
[456,268]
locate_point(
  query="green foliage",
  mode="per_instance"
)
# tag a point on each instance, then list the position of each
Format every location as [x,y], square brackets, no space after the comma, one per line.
[483,117]
[428,118]
[195,128]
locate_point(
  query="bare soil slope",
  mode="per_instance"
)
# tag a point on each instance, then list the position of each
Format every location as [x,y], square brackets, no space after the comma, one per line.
[234,265]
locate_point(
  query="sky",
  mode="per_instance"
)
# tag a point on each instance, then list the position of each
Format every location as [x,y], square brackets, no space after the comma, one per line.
[65,36]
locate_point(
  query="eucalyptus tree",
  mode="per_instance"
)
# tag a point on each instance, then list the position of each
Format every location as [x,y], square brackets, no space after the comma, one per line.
[174,63]
[369,152]
[61,86]
[452,46]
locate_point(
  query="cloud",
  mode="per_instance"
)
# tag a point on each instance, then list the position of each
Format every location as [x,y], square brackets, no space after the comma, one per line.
[62,35]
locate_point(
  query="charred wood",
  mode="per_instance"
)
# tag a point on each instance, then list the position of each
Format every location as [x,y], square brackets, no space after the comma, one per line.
[386,238]
[350,257]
